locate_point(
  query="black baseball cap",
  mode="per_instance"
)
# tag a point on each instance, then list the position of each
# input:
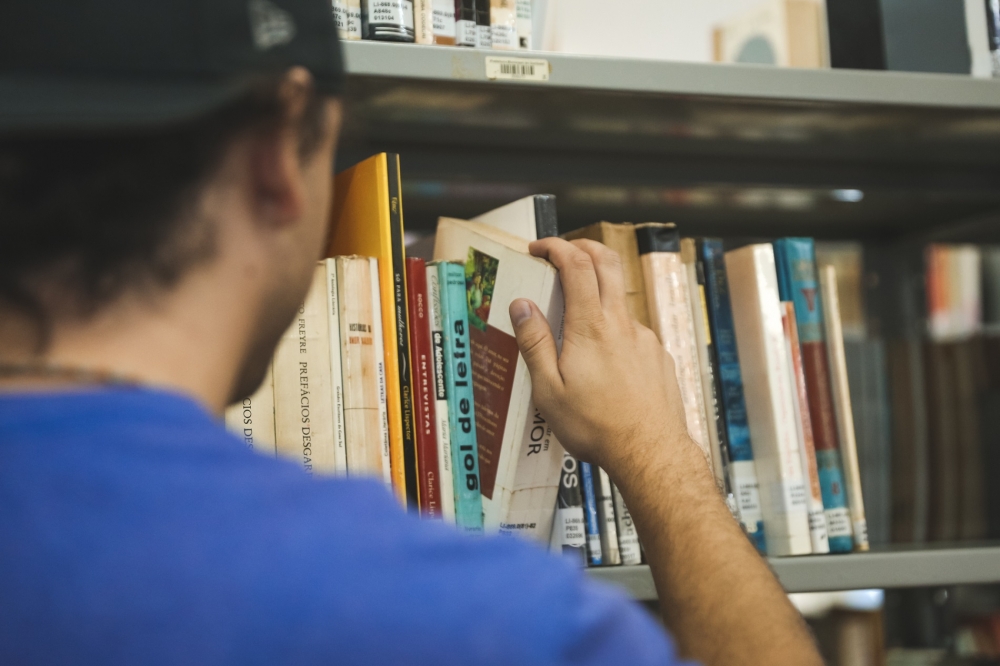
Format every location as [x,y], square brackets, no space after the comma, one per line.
[119,64]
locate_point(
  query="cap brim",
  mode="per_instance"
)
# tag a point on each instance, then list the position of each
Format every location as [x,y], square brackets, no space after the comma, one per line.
[30,103]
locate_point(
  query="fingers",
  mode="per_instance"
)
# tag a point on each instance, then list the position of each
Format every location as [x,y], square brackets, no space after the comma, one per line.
[610,275]
[537,345]
[578,277]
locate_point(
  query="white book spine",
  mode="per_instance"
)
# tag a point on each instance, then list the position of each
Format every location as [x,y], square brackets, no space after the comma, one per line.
[383,409]
[423,22]
[336,370]
[252,419]
[525,25]
[628,537]
[441,396]
[760,340]
[842,404]
[606,516]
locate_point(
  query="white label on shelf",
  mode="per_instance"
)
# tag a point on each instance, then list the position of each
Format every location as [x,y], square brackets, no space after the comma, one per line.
[517,69]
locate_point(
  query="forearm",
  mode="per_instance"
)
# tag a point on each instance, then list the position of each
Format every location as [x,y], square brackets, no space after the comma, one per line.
[716,593]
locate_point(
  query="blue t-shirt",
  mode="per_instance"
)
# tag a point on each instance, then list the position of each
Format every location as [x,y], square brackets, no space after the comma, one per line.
[135,530]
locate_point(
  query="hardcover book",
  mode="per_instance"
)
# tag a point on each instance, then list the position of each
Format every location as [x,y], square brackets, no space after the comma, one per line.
[441,416]
[462,409]
[466,30]
[252,419]
[387,20]
[367,220]
[760,338]
[569,529]
[798,283]
[742,470]
[519,457]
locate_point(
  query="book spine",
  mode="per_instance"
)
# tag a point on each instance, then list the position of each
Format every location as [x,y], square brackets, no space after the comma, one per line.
[594,554]
[304,426]
[842,404]
[465,23]
[336,366]
[742,470]
[252,419]
[444,22]
[458,374]
[401,344]
[443,427]
[484,32]
[606,519]
[817,518]
[347,16]
[378,342]
[569,529]
[423,389]
[503,25]
[798,283]
[423,21]
[628,537]
[525,27]
[387,20]
[763,357]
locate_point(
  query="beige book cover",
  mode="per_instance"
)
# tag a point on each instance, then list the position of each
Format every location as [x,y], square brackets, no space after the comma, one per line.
[303,402]
[423,21]
[347,16]
[620,237]
[252,419]
[760,340]
[336,371]
[503,25]
[520,460]
[378,339]
[842,404]
[362,417]
[667,299]
[787,33]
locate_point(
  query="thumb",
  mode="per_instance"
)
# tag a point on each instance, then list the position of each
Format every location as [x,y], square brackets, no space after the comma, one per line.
[538,347]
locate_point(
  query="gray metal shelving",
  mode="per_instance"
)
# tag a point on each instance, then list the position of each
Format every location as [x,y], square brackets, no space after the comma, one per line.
[894,568]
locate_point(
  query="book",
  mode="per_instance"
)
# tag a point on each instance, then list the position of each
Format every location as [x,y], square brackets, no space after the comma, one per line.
[444,22]
[628,538]
[336,365]
[362,416]
[595,556]
[787,33]
[842,404]
[807,451]
[703,343]
[378,341]
[442,420]
[525,25]
[303,402]
[387,20]
[569,528]
[970,384]
[347,16]
[742,470]
[519,457]
[367,219]
[252,418]
[670,316]
[621,238]
[484,31]
[461,401]
[424,399]
[760,338]
[798,282]
[466,31]
[503,25]
[423,21]
[530,218]
[607,525]
[942,421]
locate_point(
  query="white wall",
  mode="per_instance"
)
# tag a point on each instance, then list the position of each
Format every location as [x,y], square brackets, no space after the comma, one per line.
[660,29]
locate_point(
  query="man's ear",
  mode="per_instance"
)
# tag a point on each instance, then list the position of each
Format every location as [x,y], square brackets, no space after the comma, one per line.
[276,168]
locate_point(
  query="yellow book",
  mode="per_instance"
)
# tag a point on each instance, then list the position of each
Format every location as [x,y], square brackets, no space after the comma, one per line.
[367,220]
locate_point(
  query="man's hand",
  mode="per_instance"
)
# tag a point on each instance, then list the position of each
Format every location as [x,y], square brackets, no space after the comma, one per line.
[614,387]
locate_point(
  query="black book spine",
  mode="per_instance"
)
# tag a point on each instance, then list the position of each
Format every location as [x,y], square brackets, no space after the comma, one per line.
[465,22]
[657,237]
[857,40]
[484,34]
[402,328]
[569,529]
[387,20]
[546,223]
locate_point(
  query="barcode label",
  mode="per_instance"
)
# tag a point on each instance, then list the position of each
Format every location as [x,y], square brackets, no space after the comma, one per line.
[517,69]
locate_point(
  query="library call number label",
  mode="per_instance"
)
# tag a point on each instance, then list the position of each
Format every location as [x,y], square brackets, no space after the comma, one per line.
[516,69]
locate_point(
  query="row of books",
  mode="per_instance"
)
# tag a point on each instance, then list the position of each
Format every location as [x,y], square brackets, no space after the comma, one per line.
[497,24]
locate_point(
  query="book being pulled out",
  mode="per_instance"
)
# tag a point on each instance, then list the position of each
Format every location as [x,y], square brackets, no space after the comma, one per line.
[519,457]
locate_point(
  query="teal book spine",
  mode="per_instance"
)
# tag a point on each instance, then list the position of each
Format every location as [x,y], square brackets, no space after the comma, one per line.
[795,260]
[461,405]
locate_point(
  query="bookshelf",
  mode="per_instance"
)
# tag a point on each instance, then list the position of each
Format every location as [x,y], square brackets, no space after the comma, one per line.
[726,150]
[896,567]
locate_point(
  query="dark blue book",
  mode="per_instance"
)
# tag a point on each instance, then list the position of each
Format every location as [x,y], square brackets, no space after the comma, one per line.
[595,557]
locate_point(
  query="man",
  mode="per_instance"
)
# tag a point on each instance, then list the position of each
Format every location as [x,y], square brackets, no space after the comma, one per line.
[165,181]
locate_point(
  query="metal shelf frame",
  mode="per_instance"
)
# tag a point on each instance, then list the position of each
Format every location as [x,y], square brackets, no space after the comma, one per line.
[888,569]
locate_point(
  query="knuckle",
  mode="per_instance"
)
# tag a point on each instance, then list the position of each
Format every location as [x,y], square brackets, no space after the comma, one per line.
[581,261]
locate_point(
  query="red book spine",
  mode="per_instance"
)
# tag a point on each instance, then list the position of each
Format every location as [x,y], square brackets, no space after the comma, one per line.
[428,475]
[817,372]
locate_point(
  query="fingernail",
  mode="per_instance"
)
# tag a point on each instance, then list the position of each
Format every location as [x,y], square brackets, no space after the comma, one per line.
[520,312]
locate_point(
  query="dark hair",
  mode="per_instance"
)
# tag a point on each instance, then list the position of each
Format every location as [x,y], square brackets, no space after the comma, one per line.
[92,216]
